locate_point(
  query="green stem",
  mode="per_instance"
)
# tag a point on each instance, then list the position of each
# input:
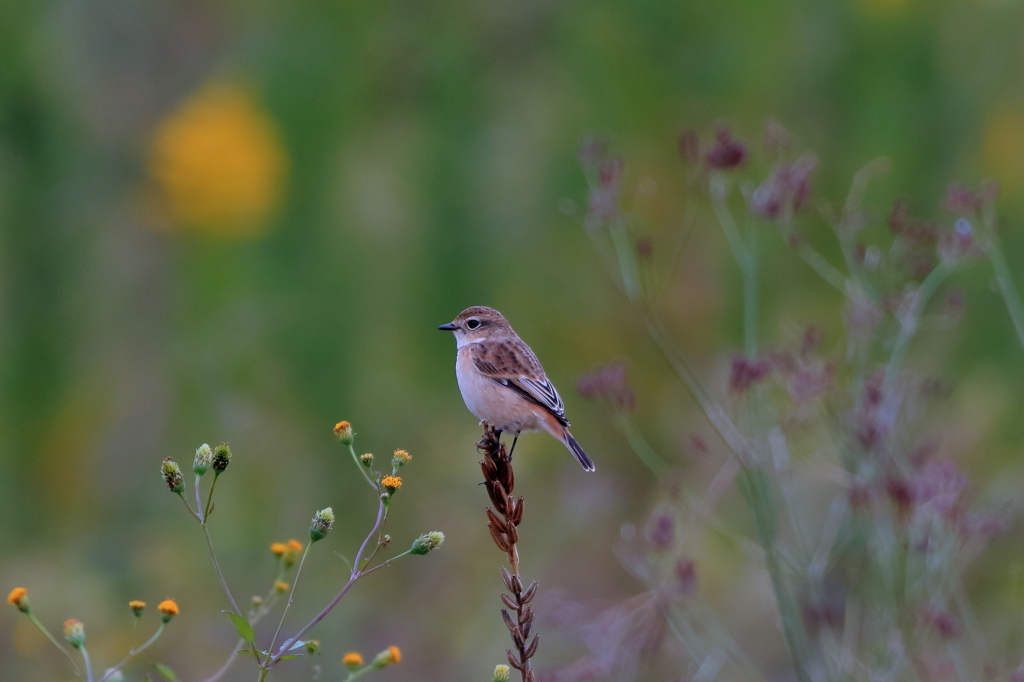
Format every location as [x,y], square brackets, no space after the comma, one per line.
[362,469]
[756,490]
[216,564]
[134,652]
[718,189]
[826,270]
[196,516]
[56,643]
[359,673]
[199,502]
[640,446]
[353,577]
[1007,287]
[88,663]
[911,322]
[625,256]
[291,597]
[209,497]
[227,664]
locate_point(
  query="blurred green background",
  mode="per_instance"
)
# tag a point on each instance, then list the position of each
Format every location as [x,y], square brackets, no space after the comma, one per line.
[228,221]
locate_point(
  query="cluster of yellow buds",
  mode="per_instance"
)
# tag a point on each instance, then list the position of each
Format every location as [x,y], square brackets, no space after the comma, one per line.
[501,673]
[286,551]
[400,458]
[137,606]
[366,460]
[391,483]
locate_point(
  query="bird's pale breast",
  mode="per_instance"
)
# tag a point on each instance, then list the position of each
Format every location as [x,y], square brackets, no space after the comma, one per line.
[498,405]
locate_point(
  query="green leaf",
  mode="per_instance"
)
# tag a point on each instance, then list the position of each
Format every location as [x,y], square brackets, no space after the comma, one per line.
[166,672]
[285,658]
[242,626]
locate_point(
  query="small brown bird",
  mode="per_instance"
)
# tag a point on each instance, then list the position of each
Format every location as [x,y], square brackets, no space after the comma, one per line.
[502,381]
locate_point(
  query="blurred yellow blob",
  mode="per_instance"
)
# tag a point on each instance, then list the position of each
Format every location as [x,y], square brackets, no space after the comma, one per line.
[218,162]
[1002,149]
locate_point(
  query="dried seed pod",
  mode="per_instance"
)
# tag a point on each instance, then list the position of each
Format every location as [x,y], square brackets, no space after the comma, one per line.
[528,595]
[508,601]
[512,660]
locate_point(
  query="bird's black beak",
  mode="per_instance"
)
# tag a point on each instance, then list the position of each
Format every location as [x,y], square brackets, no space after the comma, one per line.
[447,327]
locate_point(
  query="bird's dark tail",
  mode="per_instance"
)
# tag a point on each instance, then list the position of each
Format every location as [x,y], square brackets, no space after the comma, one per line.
[577,451]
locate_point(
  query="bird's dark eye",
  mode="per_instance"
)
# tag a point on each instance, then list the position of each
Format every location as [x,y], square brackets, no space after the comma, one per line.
[473,323]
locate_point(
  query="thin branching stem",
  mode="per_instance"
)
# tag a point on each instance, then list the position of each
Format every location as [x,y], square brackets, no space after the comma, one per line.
[291,596]
[354,576]
[55,642]
[1006,287]
[87,662]
[134,652]
[216,565]
[362,469]
[199,502]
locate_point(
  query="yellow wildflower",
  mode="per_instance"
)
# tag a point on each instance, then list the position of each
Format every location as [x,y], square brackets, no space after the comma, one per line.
[352,660]
[19,597]
[136,606]
[280,586]
[389,656]
[392,483]
[278,549]
[219,162]
[169,608]
[295,545]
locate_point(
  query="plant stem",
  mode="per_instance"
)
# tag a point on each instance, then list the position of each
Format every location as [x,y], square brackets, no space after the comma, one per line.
[209,497]
[1007,287]
[826,270]
[354,576]
[134,652]
[911,323]
[291,596]
[88,664]
[362,469]
[216,564]
[199,502]
[195,515]
[227,664]
[57,644]
[640,446]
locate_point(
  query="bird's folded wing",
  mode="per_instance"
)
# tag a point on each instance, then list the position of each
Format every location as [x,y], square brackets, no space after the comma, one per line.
[513,364]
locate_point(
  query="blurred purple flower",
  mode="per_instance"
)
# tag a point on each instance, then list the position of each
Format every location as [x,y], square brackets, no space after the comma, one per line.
[960,199]
[660,529]
[686,575]
[940,485]
[945,623]
[958,243]
[610,385]
[745,373]
[726,153]
[785,190]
